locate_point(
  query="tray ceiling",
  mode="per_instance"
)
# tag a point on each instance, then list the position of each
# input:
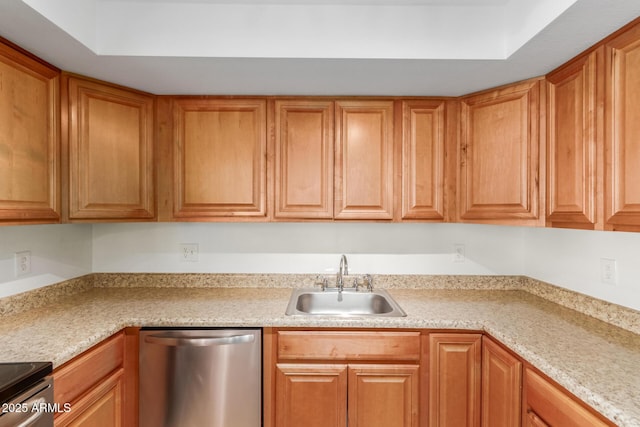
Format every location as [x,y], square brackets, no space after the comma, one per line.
[321,47]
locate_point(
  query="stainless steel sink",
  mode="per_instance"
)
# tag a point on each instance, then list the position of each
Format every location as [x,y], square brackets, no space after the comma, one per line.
[349,302]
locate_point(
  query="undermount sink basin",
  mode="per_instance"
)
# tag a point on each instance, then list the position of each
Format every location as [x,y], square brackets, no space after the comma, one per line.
[349,302]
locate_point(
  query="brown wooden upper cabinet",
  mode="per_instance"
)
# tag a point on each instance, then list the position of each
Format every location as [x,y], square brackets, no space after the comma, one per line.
[622,131]
[304,155]
[364,160]
[29,139]
[575,143]
[219,158]
[110,151]
[501,155]
[423,159]
[334,159]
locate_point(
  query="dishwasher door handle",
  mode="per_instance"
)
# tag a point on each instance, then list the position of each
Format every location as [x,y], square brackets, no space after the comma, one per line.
[198,341]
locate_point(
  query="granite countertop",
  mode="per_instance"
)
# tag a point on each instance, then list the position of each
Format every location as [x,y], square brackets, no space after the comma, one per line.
[596,361]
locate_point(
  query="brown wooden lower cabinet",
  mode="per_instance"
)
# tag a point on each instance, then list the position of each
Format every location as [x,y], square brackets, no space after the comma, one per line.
[545,404]
[335,378]
[454,379]
[101,406]
[404,378]
[354,378]
[311,395]
[383,395]
[501,386]
[100,385]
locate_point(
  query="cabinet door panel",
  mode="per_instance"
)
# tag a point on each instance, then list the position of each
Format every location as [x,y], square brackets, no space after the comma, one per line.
[220,158]
[500,155]
[304,159]
[311,395]
[102,406]
[364,160]
[423,152]
[110,152]
[622,199]
[383,396]
[574,99]
[501,386]
[454,384]
[29,139]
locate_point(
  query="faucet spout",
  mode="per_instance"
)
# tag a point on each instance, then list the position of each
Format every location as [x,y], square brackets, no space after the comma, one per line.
[343,270]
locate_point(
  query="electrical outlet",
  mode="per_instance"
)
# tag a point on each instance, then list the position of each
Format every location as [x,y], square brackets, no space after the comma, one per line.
[22,263]
[189,252]
[458,252]
[608,274]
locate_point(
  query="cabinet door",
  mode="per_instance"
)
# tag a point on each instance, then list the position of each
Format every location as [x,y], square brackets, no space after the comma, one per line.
[110,152]
[383,395]
[311,395]
[454,383]
[219,158]
[622,192]
[546,404]
[304,159]
[102,406]
[501,386]
[29,139]
[574,120]
[364,160]
[423,154]
[500,156]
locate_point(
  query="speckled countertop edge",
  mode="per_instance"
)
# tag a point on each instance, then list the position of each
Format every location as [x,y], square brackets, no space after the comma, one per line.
[85,298]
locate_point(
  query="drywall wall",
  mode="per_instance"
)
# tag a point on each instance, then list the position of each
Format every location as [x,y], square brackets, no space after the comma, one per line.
[58,252]
[376,248]
[573,259]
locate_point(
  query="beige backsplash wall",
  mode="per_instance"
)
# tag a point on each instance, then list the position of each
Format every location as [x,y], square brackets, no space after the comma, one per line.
[567,258]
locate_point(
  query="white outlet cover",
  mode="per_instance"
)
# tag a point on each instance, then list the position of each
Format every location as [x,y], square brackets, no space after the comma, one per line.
[608,273]
[22,263]
[189,252]
[459,252]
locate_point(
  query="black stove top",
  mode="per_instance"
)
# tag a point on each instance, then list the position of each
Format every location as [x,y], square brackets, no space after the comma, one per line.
[18,377]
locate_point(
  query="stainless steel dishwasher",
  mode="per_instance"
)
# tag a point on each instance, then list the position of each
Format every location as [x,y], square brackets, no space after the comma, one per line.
[200,377]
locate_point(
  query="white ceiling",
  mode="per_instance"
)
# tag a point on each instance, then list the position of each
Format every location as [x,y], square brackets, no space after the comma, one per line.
[311,47]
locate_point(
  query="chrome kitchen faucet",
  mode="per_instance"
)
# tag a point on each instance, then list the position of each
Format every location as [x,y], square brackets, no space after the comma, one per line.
[343,270]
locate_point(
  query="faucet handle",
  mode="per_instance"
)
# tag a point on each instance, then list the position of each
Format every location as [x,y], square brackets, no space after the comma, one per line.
[366,280]
[321,281]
